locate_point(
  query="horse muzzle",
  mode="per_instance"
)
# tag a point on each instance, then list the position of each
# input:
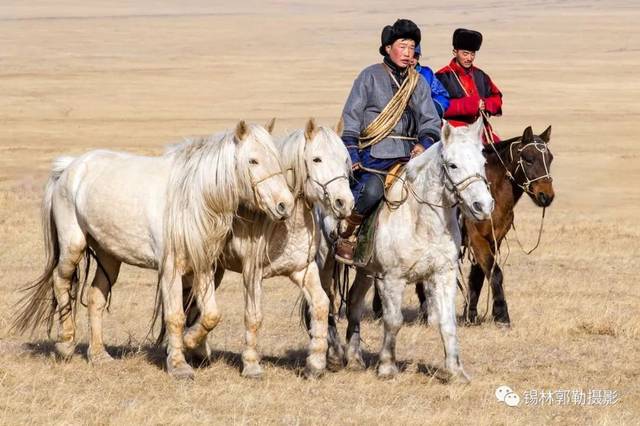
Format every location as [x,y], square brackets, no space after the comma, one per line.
[481,210]
[544,199]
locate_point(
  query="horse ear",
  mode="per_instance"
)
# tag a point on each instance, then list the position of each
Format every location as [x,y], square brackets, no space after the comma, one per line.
[340,126]
[445,133]
[310,130]
[527,135]
[270,125]
[242,130]
[546,135]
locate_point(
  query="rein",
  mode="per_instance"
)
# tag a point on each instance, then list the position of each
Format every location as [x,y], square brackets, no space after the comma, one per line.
[454,188]
[526,187]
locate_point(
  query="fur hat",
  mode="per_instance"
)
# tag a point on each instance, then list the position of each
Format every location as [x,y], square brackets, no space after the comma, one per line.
[402,28]
[464,39]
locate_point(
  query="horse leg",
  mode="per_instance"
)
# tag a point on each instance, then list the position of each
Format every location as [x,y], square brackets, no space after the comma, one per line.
[195,337]
[252,322]
[174,318]
[424,303]
[335,351]
[106,276]
[355,306]
[445,300]
[376,303]
[476,281]
[309,280]
[72,243]
[500,311]
[391,290]
[491,269]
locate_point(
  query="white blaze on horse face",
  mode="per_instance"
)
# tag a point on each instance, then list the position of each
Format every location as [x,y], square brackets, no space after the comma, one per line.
[327,162]
[257,156]
[465,163]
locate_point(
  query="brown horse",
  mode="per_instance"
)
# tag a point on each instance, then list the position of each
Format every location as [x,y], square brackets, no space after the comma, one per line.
[514,167]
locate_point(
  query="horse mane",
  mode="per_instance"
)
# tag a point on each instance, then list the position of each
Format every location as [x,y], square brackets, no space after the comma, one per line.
[416,164]
[203,193]
[501,146]
[291,150]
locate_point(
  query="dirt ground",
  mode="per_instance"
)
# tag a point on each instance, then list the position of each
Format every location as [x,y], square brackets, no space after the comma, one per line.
[136,76]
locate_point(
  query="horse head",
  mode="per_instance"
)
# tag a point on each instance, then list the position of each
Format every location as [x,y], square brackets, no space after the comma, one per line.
[532,159]
[260,172]
[328,166]
[463,165]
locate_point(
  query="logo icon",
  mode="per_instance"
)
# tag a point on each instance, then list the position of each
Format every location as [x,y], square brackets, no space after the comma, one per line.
[507,395]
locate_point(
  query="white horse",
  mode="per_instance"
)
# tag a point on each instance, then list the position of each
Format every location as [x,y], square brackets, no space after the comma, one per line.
[171,213]
[417,238]
[318,166]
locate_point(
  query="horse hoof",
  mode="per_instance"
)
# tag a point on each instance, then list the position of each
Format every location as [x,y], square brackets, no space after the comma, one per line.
[252,371]
[503,325]
[356,364]
[65,350]
[311,373]
[450,377]
[387,371]
[99,358]
[182,371]
[334,364]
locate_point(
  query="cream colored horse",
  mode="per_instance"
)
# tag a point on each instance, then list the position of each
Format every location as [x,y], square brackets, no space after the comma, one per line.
[318,167]
[417,239]
[171,213]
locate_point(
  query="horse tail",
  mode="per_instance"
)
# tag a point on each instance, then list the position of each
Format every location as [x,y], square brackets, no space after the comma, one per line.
[38,305]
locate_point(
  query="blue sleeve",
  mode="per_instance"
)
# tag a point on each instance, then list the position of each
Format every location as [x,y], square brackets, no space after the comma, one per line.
[352,146]
[439,94]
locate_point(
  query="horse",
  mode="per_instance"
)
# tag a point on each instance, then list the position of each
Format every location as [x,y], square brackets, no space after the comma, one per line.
[417,238]
[171,213]
[514,167]
[318,168]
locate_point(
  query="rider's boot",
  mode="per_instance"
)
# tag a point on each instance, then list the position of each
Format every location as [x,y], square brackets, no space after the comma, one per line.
[347,242]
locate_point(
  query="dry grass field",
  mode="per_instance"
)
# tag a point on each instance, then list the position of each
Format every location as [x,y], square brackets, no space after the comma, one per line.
[138,75]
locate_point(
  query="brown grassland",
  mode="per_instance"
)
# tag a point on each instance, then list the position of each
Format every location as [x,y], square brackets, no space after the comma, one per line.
[138,75]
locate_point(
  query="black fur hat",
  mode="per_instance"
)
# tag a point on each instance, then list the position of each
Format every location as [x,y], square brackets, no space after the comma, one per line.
[402,28]
[464,39]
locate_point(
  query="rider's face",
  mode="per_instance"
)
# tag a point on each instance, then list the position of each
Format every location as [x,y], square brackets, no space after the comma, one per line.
[401,52]
[464,57]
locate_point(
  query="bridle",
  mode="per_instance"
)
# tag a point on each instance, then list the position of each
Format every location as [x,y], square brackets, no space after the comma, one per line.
[541,147]
[326,198]
[456,188]
[255,182]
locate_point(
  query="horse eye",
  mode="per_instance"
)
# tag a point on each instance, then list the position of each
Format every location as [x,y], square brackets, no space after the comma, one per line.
[317,160]
[253,161]
[453,166]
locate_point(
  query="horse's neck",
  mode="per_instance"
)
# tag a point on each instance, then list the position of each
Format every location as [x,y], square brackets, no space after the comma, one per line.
[501,170]
[425,215]
[252,225]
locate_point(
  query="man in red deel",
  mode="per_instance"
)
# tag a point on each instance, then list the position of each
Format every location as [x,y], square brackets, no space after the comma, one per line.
[471,91]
